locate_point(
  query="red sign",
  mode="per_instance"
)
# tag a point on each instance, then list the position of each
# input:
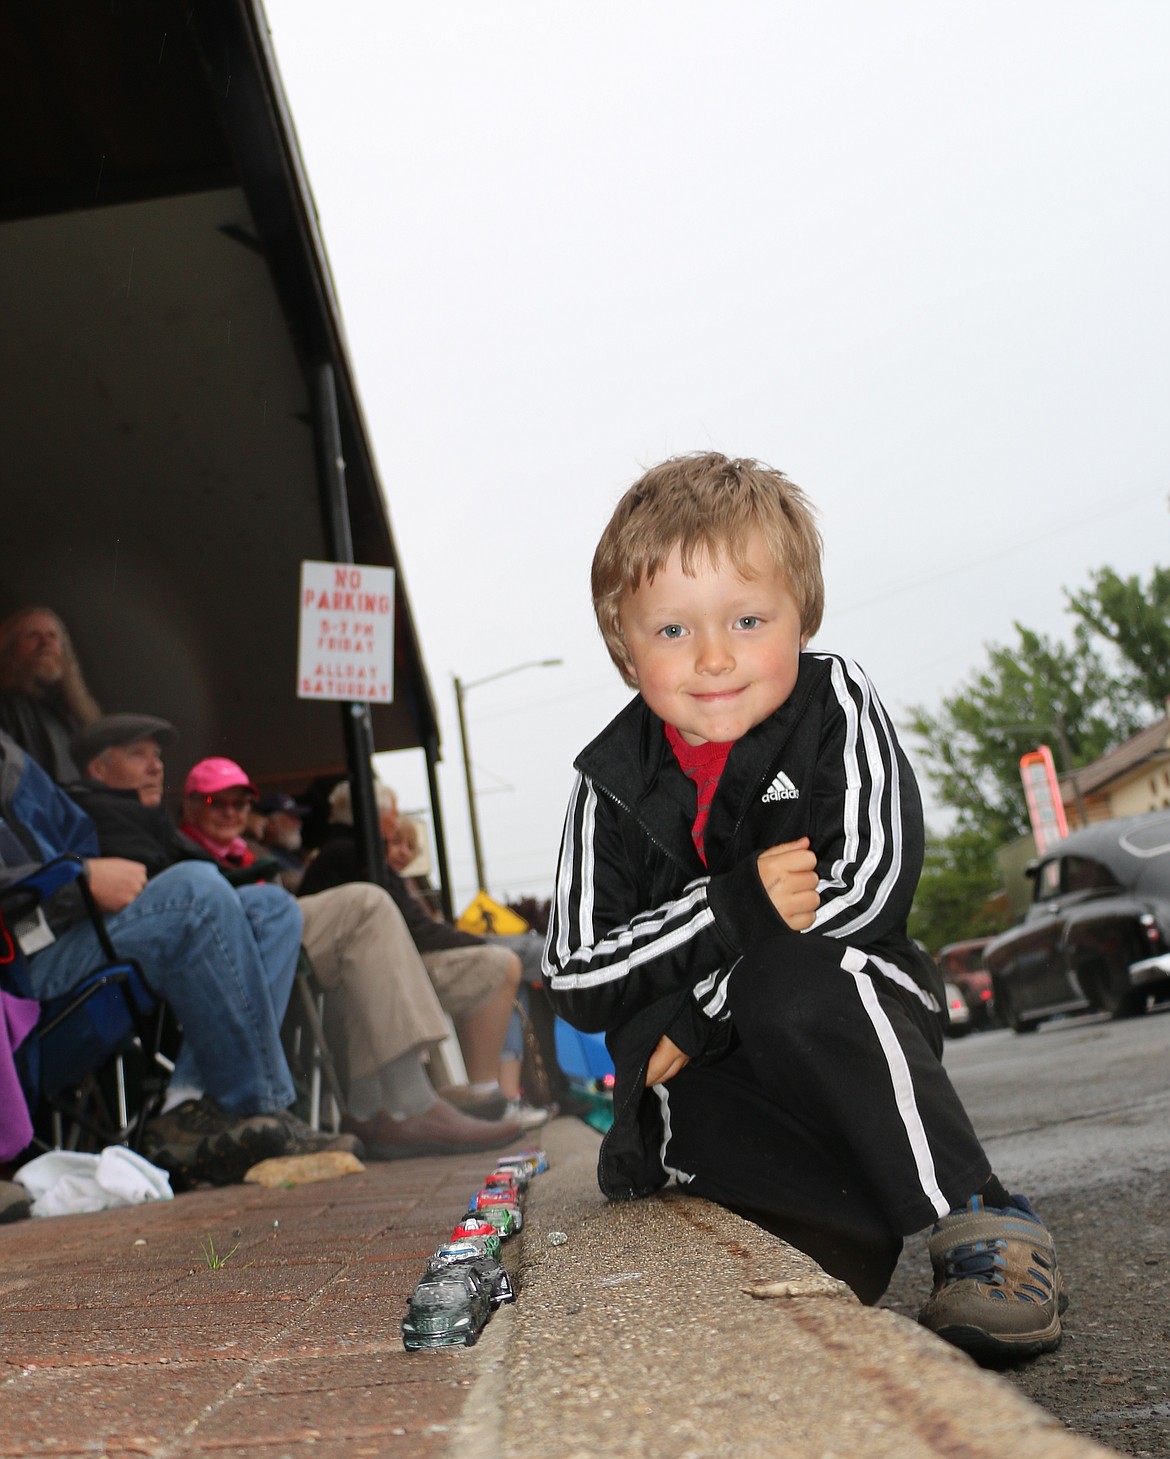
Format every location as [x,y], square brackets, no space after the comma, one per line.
[1045,807]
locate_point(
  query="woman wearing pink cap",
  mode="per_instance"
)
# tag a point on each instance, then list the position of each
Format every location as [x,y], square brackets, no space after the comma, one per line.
[217,797]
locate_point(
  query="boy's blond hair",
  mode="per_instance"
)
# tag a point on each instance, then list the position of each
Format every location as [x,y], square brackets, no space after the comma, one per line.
[705,504]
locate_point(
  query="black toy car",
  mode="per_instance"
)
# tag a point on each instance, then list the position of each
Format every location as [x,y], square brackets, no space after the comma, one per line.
[467,1253]
[447,1308]
[1097,935]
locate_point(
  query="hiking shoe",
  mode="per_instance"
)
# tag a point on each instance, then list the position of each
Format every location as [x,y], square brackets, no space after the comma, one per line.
[304,1140]
[998,1293]
[197,1141]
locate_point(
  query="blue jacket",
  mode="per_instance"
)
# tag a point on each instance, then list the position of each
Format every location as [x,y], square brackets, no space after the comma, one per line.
[38,821]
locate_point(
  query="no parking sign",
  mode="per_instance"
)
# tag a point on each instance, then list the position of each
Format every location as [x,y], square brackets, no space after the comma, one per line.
[346,644]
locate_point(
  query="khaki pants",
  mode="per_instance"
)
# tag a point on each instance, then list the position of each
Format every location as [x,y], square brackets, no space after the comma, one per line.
[364,954]
[466,977]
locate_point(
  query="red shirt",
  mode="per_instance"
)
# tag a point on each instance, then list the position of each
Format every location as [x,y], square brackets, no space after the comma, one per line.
[704,765]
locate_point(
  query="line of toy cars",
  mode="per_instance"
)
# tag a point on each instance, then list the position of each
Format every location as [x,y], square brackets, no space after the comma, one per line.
[464,1280]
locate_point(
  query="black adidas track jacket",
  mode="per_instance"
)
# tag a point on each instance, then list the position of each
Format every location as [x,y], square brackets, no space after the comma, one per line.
[643,938]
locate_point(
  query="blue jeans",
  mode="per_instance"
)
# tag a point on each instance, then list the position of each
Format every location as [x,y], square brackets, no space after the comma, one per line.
[223,959]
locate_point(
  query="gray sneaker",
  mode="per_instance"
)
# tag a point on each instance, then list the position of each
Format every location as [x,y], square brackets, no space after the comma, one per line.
[998,1293]
[198,1142]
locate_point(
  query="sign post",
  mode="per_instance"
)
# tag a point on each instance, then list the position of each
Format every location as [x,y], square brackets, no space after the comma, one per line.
[1042,792]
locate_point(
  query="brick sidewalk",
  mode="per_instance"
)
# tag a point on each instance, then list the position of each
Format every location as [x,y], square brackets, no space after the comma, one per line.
[120,1338]
[635,1330]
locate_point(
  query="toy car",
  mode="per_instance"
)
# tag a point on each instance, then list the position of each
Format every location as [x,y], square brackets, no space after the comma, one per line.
[501,1218]
[485,1200]
[488,1195]
[473,1229]
[455,1253]
[447,1308]
[516,1162]
[506,1180]
[538,1157]
[525,1164]
[465,1253]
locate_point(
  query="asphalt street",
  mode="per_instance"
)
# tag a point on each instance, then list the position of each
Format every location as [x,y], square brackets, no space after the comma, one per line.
[1077,1115]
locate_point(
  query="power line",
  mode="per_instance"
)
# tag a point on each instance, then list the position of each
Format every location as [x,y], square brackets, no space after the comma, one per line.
[1023,544]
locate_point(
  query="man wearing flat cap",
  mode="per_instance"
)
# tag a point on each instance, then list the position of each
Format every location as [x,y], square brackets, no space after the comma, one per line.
[121,761]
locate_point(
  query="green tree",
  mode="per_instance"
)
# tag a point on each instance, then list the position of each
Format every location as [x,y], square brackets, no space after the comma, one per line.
[1134,618]
[958,896]
[1037,691]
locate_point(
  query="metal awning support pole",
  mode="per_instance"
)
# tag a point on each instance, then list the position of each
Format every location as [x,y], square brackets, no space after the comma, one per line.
[431,750]
[355,718]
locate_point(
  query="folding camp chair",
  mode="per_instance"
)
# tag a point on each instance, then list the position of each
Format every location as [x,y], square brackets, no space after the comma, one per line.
[583,1056]
[306,1047]
[74,1066]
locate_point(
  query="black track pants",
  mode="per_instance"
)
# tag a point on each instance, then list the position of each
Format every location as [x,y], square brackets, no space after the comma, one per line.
[832,1121]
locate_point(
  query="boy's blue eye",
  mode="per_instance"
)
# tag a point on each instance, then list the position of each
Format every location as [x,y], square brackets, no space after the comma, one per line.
[672,630]
[749,620]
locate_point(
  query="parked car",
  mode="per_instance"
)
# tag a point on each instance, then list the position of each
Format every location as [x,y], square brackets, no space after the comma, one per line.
[962,963]
[1097,935]
[958,1014]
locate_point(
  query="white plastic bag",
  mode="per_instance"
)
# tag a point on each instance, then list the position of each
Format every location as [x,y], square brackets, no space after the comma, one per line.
[64,1183]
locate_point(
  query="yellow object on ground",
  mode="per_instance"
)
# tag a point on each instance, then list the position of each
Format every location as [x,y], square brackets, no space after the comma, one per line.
[285,1170]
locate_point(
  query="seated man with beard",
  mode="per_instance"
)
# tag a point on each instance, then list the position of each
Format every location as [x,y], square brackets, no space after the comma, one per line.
[278,836]
[357,941]
[43,698]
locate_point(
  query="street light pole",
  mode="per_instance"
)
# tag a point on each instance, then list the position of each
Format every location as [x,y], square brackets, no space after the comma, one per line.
[461,689]
[473,815]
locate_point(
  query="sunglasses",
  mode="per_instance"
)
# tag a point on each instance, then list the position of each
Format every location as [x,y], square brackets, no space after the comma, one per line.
[234,803]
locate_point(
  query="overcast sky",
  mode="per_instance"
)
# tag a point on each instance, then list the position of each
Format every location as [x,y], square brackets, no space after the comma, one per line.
[913,254]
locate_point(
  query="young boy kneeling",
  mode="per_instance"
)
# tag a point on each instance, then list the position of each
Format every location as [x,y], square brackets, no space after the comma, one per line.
[739,859]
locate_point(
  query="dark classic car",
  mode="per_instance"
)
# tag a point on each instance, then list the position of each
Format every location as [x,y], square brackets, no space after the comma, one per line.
[1097,935]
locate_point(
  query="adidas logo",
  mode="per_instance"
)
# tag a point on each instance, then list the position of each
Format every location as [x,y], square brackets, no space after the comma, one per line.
[780,789]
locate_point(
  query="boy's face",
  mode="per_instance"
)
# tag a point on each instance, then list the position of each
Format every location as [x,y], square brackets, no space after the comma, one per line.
[716,653]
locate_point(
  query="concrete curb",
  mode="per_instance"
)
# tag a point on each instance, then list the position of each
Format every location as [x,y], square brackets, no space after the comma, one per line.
[638,1335]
